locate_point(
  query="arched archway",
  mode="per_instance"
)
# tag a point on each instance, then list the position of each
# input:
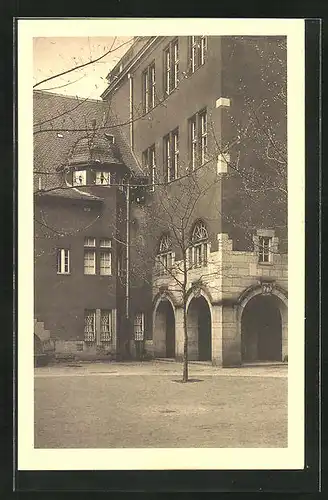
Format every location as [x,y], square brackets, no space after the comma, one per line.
[262,320]
[199,329]
[164,329]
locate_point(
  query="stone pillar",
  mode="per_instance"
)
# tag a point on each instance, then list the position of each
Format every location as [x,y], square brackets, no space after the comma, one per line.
[231,337]
[217,335]
[192,325]
[98,323]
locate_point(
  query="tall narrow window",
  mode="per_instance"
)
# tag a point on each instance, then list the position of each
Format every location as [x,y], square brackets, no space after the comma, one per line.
[89,325]
[165,255]
[197,51]
[149,88]
[139,326]
[198,250]
[105,257]
[193,142]
[171,66]
[167,70]
[171,155]
[203,136]
[89,255]
[265,243]
[149,164]
[62,261]
[198,139]
[105,326]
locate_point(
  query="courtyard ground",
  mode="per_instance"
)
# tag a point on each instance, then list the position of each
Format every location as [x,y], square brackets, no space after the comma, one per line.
[137,405]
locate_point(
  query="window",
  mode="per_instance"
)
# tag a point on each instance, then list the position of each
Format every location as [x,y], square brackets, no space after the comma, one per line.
[89,325]
[105,326]
[139,326]
[102,255]
[89,262]
[165,255]
[198,250]
[79,178]
[198,139]
[265,243]
[105,262]
[197,51]
[149,164]
[171,155]
[103,178]
[62,261]
[171,67]
[149,88]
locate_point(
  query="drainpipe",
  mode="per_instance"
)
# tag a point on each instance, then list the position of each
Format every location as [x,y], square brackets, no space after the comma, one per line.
[127,295]
[131,109]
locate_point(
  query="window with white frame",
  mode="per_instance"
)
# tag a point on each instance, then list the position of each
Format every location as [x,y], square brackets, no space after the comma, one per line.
[105,326]
[149,164]
[89,255]
[105,257]
[198,139]
[89,325]
[197,51]
[198,249]
[171,155]
[171,66]
[103,178]
[265,248]
[149,88]
[139,326]
[79,178]
[63,261]
[165,255]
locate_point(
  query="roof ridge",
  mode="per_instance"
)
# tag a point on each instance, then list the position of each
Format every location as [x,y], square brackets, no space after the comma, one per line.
[71,97]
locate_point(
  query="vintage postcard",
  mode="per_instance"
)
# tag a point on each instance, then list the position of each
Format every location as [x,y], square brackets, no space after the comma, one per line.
[161,194]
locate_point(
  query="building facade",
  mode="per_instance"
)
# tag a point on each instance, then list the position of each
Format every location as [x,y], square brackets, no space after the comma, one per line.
[202,122]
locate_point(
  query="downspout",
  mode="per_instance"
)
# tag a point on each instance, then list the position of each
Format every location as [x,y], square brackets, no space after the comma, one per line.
[127,295]
[131,110]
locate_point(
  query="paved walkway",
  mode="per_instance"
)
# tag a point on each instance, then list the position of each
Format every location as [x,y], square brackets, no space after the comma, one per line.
[159,368]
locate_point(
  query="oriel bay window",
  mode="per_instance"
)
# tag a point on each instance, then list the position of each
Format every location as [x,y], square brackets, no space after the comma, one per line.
[149,88]
[199,244]
[171,155]
[171,66]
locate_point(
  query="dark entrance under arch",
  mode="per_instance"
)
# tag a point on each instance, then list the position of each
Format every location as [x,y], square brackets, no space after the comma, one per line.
[199,328]
[165,326]
[261,329]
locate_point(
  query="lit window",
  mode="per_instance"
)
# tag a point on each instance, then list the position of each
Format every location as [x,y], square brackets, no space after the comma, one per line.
[198,250]
[149,164]
[105,262]
[165,255]
[62,261]
[265,243]
[105,326]
[89,325]
[79,178]
[103,178]
[149,88]
[139,326]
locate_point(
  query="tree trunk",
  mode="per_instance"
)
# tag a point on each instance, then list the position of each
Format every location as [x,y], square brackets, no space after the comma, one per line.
[185,345]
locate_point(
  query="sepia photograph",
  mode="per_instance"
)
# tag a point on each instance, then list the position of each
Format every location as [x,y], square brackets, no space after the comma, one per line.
[162,190]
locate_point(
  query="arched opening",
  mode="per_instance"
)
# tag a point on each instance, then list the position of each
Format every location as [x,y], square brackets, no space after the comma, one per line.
[261,329]
[199,329]
[165,329]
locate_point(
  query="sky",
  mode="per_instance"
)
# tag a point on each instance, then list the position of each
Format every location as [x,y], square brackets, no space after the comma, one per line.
[54,55]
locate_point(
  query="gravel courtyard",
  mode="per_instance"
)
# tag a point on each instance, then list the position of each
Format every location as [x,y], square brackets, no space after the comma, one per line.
[137,405]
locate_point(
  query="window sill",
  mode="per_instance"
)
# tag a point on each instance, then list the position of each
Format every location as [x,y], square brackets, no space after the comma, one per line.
[63,274]
[265,264]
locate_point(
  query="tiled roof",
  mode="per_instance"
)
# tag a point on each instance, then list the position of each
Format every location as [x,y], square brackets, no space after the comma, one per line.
[59,122]
[73,193]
